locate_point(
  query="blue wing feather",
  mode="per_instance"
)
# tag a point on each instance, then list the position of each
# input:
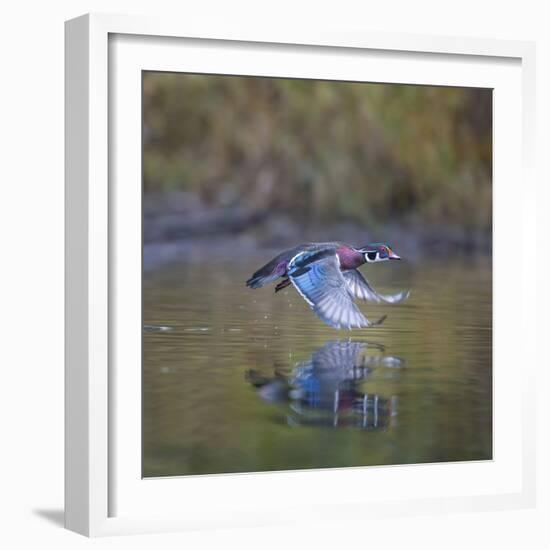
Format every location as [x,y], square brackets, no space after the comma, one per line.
[317,277]
[362,289]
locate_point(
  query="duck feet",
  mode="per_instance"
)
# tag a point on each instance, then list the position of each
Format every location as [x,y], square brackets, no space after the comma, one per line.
[283,284]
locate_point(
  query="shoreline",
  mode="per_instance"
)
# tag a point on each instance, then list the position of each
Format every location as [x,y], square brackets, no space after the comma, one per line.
[409,243]
[180,227]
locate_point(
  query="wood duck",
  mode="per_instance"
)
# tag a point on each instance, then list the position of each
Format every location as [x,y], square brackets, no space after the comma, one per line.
[326,276]
[328,389]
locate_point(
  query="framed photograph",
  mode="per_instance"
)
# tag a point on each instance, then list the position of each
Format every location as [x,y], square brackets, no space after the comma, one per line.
[242,346]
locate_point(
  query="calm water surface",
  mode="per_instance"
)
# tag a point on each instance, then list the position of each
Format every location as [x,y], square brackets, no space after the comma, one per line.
[245,380]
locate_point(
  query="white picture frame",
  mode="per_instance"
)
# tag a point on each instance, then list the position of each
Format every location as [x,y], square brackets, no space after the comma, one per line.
[104,492]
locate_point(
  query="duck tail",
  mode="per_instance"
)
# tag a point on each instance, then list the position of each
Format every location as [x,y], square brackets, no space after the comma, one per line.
[255,282]
[267,274]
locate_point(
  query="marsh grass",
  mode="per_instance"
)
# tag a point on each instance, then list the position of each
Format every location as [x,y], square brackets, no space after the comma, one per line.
[322,151]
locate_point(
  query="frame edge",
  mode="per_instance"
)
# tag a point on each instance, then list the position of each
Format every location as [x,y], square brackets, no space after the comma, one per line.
[77,365]
[85,100]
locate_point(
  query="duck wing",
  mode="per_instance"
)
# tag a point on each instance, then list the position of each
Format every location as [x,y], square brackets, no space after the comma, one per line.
[362,289]
[317,277]
[338,356]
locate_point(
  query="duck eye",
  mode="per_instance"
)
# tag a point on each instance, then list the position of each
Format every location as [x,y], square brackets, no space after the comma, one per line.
[372,256]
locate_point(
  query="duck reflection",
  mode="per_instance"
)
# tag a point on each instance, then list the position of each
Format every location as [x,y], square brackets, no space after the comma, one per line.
[330,388]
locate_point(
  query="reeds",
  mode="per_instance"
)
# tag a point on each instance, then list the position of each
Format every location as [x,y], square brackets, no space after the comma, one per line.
[322,151]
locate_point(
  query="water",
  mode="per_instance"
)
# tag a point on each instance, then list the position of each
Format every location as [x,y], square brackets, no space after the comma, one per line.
[241,380]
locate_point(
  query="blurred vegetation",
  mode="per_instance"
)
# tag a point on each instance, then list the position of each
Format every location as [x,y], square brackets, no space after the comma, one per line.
[322,151]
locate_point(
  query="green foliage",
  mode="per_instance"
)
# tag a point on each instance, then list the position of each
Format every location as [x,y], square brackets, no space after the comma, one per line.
[320,150]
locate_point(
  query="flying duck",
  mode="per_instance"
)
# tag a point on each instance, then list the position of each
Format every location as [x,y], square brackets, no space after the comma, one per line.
[327,278]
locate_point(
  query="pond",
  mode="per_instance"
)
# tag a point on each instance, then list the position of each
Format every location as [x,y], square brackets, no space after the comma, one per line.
[242,380]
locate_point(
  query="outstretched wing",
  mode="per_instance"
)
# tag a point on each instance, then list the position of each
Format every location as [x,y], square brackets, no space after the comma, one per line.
[318,279]
[361,288]
[338,356]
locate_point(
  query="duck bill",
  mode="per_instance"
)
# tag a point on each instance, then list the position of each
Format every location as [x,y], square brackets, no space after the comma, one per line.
[393,256]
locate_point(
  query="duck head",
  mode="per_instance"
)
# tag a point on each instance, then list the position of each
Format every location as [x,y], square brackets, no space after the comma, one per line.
[378,252]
